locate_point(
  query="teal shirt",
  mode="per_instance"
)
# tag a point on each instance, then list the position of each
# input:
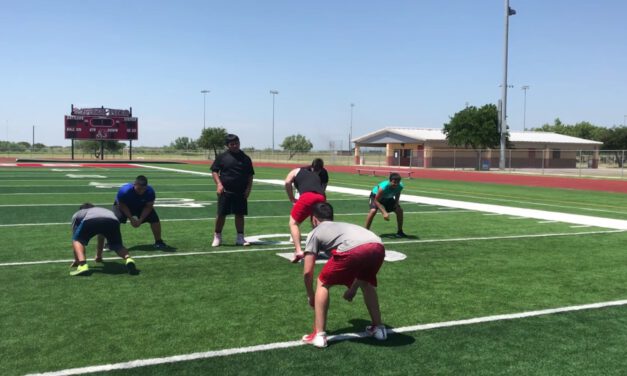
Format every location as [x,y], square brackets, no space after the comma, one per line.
[388,191]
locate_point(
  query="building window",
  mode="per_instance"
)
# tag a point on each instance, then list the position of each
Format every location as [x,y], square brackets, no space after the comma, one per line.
[556,153]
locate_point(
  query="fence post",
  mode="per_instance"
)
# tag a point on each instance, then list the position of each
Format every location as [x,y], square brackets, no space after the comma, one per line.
[580,161]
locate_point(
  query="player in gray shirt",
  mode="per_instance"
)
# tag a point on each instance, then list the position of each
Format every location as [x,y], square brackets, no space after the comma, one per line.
[356,255]
[91,221]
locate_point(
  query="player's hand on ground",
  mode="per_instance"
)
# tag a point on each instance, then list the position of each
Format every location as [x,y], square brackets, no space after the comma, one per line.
[349,294]
[135,222]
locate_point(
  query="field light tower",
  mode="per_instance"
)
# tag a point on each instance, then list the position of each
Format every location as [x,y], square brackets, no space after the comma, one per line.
[525,88]
[204,108]
[503,119]
[274,93]
[350,130]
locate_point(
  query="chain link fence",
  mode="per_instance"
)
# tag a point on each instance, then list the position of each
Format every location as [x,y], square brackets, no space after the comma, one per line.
[607,163]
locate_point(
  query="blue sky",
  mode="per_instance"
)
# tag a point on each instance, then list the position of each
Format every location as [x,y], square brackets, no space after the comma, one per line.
[402,63]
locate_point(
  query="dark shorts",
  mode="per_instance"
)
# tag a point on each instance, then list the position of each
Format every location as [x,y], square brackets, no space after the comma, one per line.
[109,228]
[388,203]
[303,207]
[153,217]
[362,262]
[232,203]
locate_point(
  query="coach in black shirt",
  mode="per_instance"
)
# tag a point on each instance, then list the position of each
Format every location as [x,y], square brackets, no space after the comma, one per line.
[232,172]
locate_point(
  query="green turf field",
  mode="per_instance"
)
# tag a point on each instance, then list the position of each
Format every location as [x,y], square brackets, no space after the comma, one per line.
[218,307]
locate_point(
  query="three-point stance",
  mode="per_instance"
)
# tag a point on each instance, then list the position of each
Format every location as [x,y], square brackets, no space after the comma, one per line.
[91,221]
[385,197]
[356,255]
[135,201]
[311,183]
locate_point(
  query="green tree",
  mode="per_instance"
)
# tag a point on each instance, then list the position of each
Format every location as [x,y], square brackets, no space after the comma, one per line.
[212,138]
[476,128]
[615,139]
[296,144]
[183,143]
[582,129]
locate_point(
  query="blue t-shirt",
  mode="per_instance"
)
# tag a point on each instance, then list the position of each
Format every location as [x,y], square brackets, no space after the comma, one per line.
[134,201]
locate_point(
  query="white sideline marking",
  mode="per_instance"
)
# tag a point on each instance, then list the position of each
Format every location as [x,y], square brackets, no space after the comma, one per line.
[243,250]
[335,338]
[213,218]
[547,221]
[575,219]
[489,208]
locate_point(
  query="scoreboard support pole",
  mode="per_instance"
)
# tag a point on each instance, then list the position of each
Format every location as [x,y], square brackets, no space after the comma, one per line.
[130,150]
[72,149]
[101,150]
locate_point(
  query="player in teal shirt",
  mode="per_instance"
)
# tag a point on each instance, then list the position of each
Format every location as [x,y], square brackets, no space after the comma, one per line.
[385,197]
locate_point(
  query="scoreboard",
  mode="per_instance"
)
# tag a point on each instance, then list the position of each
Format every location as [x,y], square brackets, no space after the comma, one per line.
[100,124]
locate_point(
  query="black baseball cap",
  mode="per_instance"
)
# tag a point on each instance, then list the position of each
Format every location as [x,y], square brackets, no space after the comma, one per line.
[230,138]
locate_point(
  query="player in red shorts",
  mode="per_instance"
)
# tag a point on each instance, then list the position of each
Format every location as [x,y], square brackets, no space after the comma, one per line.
[355,257]
[311,183]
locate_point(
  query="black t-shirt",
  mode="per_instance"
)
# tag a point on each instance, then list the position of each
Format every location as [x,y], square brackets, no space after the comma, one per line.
[308,181]
[234,170]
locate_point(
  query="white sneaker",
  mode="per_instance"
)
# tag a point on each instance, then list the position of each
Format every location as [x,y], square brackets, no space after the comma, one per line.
[217,240]
[241,240]
[377,332]
[316,339]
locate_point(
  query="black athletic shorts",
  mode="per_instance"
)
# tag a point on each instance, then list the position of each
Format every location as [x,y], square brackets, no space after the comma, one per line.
[108,227]
[152,217]
[232,203]
[388,203]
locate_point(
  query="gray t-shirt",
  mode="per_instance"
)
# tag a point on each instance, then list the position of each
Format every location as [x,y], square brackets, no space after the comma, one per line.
[342,236]
[91,213]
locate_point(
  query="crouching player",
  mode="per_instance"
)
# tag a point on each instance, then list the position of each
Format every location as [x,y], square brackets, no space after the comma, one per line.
[91,221]
[356,255]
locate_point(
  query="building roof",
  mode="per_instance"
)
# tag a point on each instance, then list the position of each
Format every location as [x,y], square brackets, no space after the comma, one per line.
[412,135]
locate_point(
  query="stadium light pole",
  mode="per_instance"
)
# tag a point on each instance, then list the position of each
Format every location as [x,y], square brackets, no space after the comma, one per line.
[274,93]
[525,88]
[503,119]
[204,108]
[350,130]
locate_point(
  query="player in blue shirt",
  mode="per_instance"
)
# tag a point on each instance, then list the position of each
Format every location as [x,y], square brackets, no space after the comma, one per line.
[135,202]
[385,197]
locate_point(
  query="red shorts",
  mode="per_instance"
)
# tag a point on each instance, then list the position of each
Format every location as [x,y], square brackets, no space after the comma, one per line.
[303,207]
[362,262]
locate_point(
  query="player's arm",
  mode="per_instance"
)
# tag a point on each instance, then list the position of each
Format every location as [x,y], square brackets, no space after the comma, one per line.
[289,184]
[377,202]
[146,211]
[249,186]
[216,179]
[308,276]
[124,209]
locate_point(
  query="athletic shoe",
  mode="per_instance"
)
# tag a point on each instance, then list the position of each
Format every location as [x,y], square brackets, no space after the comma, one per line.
[241,240]
[130,265]
[159,244]
[217,240]
[98,260]
[106,248]
[316,339]
[377,331]
[401,234]
[80,270]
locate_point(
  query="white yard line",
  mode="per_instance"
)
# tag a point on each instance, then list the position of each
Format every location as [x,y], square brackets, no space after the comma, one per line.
[251,249]
[575,219]
[340,337]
